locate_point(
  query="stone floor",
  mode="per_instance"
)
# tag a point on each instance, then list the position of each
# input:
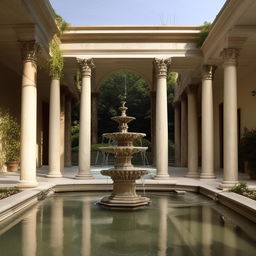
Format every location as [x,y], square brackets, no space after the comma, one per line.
[176,176]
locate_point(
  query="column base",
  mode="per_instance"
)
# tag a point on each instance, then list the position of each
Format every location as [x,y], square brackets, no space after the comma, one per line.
[226,185]
[27,184]
[162,177]
[54,175]
[207,176]
[84,177]
[192,175]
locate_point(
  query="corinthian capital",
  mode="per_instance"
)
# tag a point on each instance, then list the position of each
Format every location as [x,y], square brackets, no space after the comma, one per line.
[161,67]
[230,55]
[208,72]
[86,66]
[29,51]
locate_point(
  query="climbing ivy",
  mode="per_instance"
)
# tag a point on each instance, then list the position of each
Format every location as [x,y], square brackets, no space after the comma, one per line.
[204,31]
[56,62]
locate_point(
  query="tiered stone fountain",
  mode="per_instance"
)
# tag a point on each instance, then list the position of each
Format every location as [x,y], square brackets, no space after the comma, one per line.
[124,174]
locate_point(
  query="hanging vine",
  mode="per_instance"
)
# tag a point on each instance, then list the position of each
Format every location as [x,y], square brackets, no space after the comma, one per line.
[56,62]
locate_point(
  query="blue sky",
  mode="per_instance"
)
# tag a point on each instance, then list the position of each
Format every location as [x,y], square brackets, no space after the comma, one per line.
[137,12]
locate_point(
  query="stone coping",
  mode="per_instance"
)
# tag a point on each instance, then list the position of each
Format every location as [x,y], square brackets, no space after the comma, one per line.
[11,206]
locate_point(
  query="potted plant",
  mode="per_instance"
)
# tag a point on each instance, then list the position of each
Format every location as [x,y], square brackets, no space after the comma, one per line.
[10,140]
[247,151]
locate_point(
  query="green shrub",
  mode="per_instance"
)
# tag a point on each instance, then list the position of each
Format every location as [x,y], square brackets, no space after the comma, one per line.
[9,137]
[240,188]
[204,31]
[143,143]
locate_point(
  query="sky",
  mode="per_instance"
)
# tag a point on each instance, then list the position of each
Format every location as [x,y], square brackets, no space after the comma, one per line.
[137,12]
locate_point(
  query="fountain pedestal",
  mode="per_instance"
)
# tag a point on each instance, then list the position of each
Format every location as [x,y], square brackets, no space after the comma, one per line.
[124,175]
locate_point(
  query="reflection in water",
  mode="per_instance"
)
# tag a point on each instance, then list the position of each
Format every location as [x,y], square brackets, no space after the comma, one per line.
[56,235]
[206,230]
[72,224]
[86,227]
[28,235]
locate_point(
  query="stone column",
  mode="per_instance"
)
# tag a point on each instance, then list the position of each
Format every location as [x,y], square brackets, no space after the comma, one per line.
[177,137]
[153,127]
[28,115]
[68,147]
[192,132]
[207,123]
[85,121]
[184,131]
[62,129]
[95,98]
[54,129]
[161,119]
[230,175]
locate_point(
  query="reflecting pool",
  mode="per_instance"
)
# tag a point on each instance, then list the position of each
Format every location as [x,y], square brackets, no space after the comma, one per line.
[174,224]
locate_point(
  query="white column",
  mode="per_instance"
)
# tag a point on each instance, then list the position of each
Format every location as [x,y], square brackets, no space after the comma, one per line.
[192,132]
[177,137]
[207,124]
[161,120]
[62,129]
[85,121]
[184,131]
[54,130]
[28,115]
[95,97]
[68,153]
[230,175]
[153,127]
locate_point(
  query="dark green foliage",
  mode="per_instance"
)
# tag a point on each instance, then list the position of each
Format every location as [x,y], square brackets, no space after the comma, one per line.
[143,143]
[138,102]
[205,28]
[5,192]
[247,149]
[239,188]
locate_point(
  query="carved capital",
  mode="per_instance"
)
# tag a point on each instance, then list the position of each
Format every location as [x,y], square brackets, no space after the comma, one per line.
[208,72]
[161,67]
[86,66]
[29,51]
[230,55]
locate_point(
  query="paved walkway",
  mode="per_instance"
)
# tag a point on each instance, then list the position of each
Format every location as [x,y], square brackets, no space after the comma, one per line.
[177,176]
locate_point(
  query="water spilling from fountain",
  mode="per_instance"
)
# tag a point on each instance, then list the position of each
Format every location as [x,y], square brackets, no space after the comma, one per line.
[124,174]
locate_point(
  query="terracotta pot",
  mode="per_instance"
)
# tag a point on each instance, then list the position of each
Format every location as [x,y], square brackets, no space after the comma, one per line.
[12,166]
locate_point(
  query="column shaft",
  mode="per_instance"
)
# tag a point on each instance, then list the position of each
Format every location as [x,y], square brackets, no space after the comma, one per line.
[161,121]
[28,115]
[54,130]
[95,97]
[177,137]
[207,124]
[192,133]
[184,131]
[153,127]
[68,149]
[85,122]
[62,130]
[230,175]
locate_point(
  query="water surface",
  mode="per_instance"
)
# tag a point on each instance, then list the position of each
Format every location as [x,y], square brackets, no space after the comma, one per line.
[73,224]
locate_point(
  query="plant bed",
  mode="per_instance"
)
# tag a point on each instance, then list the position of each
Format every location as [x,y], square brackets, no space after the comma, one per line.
[6,192]
[242,189]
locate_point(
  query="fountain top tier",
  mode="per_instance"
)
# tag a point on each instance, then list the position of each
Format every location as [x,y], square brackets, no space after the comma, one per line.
[123,137]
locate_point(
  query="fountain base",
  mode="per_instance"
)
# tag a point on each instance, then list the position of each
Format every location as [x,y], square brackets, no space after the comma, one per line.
[124,189]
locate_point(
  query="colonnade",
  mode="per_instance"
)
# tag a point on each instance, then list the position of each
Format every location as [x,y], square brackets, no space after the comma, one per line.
[186,123]
[59,121]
